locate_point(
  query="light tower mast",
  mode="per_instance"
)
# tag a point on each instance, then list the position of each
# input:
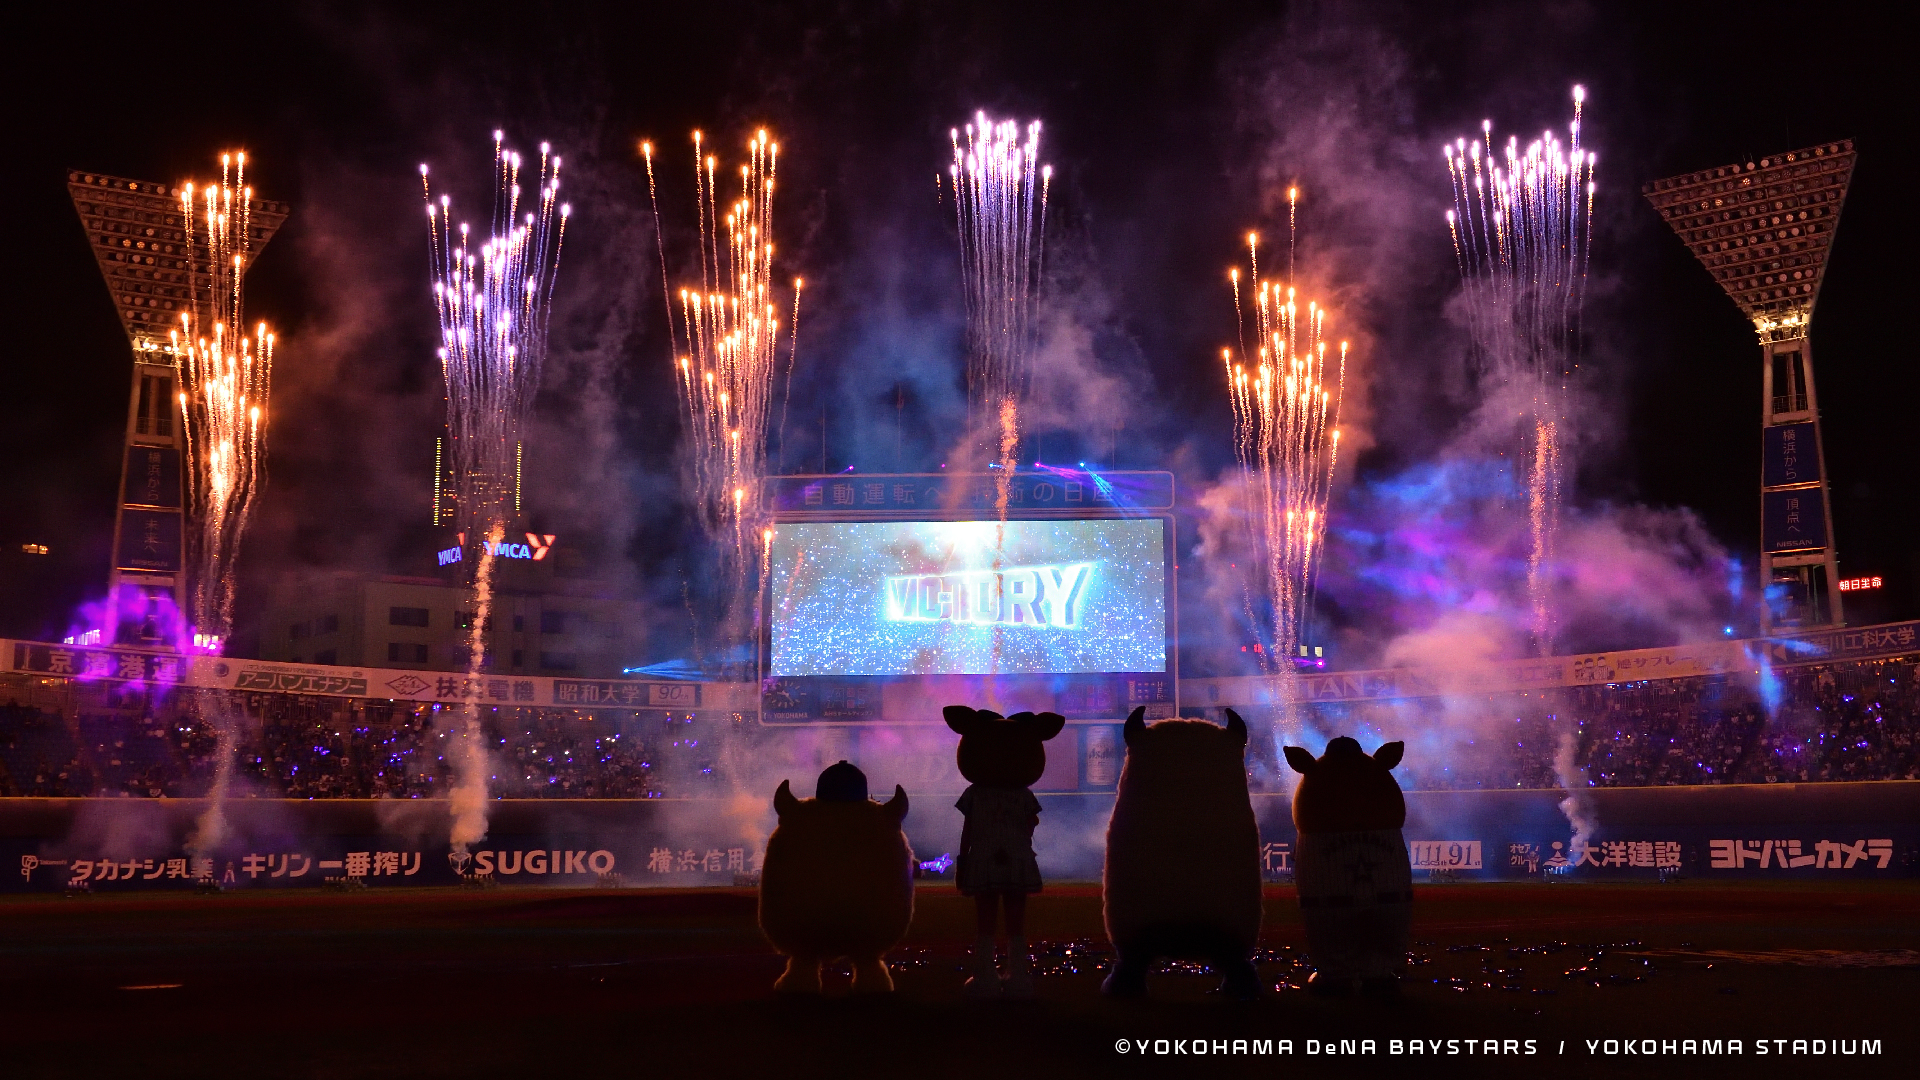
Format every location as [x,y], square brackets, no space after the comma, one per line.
[1764,230]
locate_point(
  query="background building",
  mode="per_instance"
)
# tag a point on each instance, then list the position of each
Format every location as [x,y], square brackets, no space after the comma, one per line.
[549,617]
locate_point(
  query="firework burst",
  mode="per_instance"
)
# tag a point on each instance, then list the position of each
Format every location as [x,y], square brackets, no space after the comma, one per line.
[1286,392]
[726,354]
[494,302]
[726,336]
[1522,227]
[494,298]
[1000,201]
[225,377]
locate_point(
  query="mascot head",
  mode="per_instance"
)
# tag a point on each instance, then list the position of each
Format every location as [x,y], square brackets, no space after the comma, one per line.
[1346,790]
[842,782]
[1002,751]
[1174,755]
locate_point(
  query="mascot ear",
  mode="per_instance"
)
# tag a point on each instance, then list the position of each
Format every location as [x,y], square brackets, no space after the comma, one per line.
[1301,760]
[783,800]
[896,807]
[1236,727]
[959,718]
[1044,725]
[1136,725]
[1390,754]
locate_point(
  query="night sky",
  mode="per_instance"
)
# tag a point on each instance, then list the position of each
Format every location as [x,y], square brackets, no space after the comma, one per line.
[1172,131]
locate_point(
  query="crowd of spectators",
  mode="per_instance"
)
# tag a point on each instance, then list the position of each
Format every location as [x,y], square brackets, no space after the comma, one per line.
[1825,723]
[309,747]
[38,756]
[1839,722]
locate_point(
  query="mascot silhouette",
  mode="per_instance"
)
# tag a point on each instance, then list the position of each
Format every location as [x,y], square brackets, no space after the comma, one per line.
[1001,758]
[1351,868]
[1183,854]
[837,881]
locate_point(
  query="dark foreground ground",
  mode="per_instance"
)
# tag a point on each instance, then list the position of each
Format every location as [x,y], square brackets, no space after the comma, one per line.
[658,983]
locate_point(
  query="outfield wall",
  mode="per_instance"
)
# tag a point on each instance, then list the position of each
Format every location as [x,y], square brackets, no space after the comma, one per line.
[1812,832]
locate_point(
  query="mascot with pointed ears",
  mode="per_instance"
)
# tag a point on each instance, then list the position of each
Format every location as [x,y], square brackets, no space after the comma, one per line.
[1001,757]
[1351,868]
[1183,854]
[837,881]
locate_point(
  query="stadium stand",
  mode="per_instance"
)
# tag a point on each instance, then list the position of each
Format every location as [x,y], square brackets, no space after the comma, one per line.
[1824,723]
[39,754]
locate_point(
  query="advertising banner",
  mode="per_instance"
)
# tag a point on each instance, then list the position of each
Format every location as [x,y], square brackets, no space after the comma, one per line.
[153,477]
[116,845]
[1107,696]
[1789,455]
[1851,643]
[1053,491]
[1806,832]
[1793,520]
[1586,669]
[1089,697]
[149,540]
[1877,851]
[119,665]
[257,676]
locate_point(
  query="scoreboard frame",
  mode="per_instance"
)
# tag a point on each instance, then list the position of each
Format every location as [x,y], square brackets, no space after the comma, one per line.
[1045,493]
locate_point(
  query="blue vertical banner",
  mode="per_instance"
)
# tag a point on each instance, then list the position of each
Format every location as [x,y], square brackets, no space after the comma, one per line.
[149,540]
[153,476]
[1790,454]
[1794,520]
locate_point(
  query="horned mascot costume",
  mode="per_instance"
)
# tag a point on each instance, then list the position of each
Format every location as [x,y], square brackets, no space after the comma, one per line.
[837,881]
[1183,854]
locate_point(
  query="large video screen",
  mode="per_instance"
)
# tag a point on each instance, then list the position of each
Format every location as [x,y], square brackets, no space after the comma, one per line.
[906,598]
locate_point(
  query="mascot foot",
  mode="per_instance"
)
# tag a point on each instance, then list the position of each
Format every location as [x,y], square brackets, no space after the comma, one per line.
[1321,985]
[983,987]
[1019,984]
[870,976]
[1126,981]
[1386,987]
[801,977]
[985,982]
[1242,982]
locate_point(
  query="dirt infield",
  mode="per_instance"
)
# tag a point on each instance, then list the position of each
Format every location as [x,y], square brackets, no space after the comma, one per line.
[527,982]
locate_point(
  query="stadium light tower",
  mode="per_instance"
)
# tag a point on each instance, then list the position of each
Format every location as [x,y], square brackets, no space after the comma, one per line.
[1764,230]
[140,241]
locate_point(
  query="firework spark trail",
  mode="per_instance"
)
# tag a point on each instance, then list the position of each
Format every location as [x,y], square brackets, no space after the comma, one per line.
[1522,228]
[1000,202]
[1286,408]
[1286,399]
[210,828]
[730,329]
[467,752]
[493,302]
[225,377]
